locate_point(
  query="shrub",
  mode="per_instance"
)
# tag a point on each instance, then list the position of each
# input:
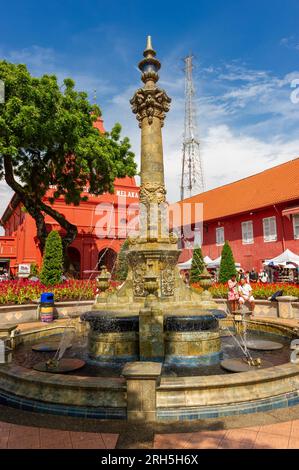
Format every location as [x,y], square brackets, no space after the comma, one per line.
[227,264]
[121,270]
[197,265]
[53,260]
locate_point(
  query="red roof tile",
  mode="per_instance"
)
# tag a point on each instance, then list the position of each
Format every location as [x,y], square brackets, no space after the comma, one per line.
[272,186]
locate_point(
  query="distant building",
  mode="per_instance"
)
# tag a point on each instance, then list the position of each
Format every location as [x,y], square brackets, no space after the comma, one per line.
[100,231]
[258,215]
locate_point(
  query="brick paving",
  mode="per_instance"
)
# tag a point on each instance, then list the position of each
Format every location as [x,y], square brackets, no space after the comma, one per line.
[14,436]
[271,436]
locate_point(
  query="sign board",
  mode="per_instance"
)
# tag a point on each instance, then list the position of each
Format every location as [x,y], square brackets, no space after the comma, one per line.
[24,270]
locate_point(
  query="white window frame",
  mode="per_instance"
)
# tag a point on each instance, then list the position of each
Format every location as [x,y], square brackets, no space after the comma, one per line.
[271,236]
[244,227]
[197,242]
[220,239]
[296,225]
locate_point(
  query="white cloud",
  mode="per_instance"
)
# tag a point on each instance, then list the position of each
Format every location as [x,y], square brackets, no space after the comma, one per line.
[247,122]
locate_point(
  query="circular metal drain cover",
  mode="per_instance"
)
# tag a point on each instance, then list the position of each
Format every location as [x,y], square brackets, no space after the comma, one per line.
[263,345]
[50,346]
[239,365]
[64,365]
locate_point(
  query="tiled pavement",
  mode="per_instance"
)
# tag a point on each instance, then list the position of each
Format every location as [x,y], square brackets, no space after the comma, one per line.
[13,436]
[272,436]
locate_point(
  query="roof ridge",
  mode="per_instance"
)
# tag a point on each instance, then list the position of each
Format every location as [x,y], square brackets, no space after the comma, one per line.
[242,179]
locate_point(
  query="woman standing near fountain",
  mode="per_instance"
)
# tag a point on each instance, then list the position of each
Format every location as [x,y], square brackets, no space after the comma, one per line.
[233,293]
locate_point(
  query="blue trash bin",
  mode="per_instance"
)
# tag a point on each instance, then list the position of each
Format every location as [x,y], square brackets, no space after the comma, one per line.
[47,307]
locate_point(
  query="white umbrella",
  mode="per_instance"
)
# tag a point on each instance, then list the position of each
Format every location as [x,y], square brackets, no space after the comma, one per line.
[186,264]
[286,257]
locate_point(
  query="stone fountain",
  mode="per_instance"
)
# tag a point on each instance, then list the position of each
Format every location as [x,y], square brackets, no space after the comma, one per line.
[155,248]
[153,291]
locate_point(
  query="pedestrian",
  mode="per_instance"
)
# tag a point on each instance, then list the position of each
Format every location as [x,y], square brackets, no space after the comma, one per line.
[245,294]
[233,293]
[263,276]
[253,276]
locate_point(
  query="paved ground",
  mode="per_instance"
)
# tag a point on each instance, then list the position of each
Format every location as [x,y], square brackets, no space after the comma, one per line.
[14,436]
[275,429]
[272,436]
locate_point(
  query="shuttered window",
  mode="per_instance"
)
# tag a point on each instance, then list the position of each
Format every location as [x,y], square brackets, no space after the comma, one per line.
[269,228]
[220,236]
[247,232]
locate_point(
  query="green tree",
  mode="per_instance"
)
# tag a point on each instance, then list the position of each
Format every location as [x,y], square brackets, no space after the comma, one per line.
[197,265]
[121,271]
[47,140]
[227,265]
[51,271]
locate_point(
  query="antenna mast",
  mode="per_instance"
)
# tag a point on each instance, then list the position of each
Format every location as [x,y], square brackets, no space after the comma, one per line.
[192,178]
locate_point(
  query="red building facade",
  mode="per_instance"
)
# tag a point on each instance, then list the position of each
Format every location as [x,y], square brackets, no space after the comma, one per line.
[258,216]
[101,223]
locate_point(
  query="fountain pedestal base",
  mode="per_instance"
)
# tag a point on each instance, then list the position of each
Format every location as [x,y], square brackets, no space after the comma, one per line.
[151,334]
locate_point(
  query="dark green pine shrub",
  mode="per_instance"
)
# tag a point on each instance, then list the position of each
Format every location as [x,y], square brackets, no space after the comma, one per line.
[121,271]
[52,260]
[197,265]
[227,265]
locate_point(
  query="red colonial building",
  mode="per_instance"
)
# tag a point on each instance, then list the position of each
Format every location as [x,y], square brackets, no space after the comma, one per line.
[258,216]
[101,223]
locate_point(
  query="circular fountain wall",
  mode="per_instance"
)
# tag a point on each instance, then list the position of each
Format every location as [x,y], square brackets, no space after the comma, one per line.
[112,338]
[187,339]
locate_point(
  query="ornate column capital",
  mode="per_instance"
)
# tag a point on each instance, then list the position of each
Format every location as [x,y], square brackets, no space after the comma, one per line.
[149,103]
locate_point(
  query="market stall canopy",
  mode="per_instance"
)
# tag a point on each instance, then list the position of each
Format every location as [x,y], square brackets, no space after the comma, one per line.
[285,259]
[187,264]
[216,263]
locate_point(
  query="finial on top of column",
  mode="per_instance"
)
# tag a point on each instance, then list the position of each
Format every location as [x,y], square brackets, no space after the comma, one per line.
[150,101]
[149,47]
[149,66]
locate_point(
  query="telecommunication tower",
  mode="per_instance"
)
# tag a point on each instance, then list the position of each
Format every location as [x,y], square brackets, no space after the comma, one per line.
[192,178]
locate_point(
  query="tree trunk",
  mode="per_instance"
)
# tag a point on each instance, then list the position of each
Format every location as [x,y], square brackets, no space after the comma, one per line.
[71,229]
[36,209]
[28,203]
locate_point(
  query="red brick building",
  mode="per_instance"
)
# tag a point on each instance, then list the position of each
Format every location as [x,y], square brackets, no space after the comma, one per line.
[258,215]
[100,221]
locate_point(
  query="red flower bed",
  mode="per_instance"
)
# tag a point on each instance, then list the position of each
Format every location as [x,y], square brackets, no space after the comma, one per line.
[260,290]
[22,291]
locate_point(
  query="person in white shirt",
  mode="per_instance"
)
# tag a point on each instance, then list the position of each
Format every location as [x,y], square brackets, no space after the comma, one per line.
[245,294]
[263,276]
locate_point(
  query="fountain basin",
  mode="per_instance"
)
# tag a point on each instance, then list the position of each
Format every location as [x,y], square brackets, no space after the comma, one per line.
[187,339]
[112,338]
[191,394]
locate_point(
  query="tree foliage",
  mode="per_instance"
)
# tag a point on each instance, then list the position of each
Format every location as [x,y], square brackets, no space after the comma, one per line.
[197,265]
[51,271]
[47,140]
[227,265]
[121,270]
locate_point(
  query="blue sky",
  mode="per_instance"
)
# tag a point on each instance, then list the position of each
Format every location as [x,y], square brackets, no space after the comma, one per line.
[247,54]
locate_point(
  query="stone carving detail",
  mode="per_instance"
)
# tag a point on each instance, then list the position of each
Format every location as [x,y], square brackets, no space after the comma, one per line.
[147,103]
[138,282]
[168,281]
[152,193]
[138,266]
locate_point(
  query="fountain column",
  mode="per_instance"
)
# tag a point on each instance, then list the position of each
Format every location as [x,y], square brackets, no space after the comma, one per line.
[154,246]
